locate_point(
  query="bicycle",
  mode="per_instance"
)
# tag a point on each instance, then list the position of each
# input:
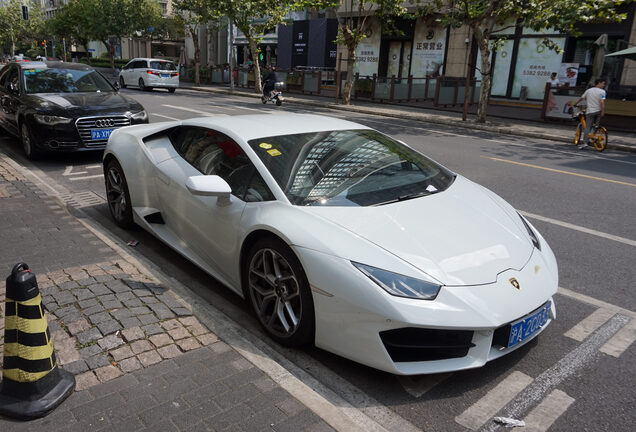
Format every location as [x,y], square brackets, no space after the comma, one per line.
[598,134]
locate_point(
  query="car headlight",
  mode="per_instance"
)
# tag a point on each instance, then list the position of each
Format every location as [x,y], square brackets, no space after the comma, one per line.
[531,233]
[51,120]
[141,115]
[400,285]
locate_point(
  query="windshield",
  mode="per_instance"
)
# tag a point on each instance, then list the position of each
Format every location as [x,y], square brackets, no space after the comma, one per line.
[54,80]
[348,168]
[163,65]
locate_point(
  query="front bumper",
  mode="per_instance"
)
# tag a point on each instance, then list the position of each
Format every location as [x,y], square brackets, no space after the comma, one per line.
[352,312]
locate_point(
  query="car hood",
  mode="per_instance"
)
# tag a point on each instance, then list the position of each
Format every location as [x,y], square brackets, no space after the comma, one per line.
[85,103]
[461,236]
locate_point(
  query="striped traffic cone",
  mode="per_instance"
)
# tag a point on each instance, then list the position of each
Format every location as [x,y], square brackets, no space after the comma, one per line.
[32,384]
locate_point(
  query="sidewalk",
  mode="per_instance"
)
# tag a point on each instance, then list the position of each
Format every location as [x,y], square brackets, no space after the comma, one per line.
[141,359]
[549,131]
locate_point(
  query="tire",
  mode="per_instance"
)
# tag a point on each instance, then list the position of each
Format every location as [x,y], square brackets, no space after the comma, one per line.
[275,280]
[279,102]
[172,89]
[122,83]
[600,143]
[30,150]
[578,134]
[117,195]
[141,84]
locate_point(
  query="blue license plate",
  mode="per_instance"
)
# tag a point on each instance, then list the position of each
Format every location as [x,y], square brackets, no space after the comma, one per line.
[165,75]
[100,134]
[525,328]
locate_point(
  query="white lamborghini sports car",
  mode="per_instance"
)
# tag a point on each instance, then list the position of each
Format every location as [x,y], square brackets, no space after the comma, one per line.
[339,235]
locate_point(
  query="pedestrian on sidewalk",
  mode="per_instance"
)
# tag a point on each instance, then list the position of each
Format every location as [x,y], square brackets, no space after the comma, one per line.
[595,100]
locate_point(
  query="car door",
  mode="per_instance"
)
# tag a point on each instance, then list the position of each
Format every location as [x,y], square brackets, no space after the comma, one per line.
[211,225]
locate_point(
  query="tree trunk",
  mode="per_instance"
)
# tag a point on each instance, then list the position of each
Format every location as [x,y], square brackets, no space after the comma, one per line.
[351,59]
[483,40]
[257,68]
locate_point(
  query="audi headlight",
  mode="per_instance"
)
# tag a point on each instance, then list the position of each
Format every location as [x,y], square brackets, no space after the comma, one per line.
[51,120]
[400,285]
[531,233]
[140,116]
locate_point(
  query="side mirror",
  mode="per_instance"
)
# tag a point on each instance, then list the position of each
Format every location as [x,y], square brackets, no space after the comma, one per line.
[211,185]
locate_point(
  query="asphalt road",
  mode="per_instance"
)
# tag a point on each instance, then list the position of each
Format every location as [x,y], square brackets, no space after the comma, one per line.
[569,379]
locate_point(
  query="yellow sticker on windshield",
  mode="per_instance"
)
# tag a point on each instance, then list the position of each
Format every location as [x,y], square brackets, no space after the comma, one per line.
[274,152]
[265,145]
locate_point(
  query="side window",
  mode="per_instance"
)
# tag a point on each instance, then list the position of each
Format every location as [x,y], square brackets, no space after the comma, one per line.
[214,153]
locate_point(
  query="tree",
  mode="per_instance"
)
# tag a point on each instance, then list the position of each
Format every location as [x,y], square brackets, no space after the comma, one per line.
[14,28]
[191,15]
[353,29]
[488,17]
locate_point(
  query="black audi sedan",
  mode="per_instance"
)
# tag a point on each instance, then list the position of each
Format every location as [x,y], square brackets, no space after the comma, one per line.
[58,106]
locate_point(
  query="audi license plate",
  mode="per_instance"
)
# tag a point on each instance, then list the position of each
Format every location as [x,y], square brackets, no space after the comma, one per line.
[100,134]
[525,328]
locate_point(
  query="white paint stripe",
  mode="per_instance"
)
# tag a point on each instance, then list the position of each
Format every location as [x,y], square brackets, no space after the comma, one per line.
[580,228]
[588,325]
[486,407]
[86,177]
[576,360]
[595,302]
[416,386]
[545,414]
[621,340]
[164,116]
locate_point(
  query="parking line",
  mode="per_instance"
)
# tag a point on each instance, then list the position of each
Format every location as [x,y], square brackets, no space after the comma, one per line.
[86,177]
[580,228]
[486,407]
[560,171]
[621,340]
[587,326]
[545,414]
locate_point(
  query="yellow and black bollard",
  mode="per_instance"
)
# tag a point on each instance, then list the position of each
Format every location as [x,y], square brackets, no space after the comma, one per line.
[32,383]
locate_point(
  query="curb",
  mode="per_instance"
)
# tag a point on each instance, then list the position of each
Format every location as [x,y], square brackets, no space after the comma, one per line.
[436,119]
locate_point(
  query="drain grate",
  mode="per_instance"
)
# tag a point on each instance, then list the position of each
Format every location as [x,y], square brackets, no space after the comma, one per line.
[83,199]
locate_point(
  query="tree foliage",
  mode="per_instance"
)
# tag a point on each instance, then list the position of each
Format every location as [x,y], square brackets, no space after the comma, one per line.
[486,18]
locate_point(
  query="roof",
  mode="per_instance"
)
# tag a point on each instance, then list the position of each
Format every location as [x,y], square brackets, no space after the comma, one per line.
[265,125]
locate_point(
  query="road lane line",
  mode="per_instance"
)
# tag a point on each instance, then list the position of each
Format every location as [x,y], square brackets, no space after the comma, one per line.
[545,414]
[416,386]
[479,413]
[560,171]
[571,364]
[580,228]
[589,325]
[164,116]
[621,340]
[86,177]
[595,302]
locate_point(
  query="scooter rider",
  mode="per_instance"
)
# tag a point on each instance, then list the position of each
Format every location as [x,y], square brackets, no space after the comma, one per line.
[270,81]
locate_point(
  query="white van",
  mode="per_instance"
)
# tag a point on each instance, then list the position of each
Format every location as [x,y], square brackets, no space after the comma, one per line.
[148,73]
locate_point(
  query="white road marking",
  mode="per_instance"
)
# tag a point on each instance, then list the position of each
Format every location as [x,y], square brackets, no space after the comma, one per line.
[69,171]
[486,407]
[416,386]
[595,302]
[587,326]
[86,177]
[607,236]
[571,364]
[164,116]
[545,414]
[621,340]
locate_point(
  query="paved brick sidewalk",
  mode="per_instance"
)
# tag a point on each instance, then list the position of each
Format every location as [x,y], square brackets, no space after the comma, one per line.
[141,360]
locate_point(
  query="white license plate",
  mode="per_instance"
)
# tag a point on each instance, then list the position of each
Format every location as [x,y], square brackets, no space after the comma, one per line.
[100,134]
[525,328]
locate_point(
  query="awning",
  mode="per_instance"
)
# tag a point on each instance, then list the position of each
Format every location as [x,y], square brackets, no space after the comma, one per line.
[629,53]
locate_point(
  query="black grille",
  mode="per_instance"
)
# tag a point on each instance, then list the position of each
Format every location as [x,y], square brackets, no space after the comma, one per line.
[85,124]
[417,344]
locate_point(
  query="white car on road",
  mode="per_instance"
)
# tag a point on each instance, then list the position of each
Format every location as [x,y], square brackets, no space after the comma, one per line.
[341,236]
[148,73]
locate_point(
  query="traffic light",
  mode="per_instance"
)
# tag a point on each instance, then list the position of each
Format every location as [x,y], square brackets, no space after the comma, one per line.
[25,12]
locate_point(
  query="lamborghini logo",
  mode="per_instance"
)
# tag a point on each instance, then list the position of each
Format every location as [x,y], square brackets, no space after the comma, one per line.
[515,283]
